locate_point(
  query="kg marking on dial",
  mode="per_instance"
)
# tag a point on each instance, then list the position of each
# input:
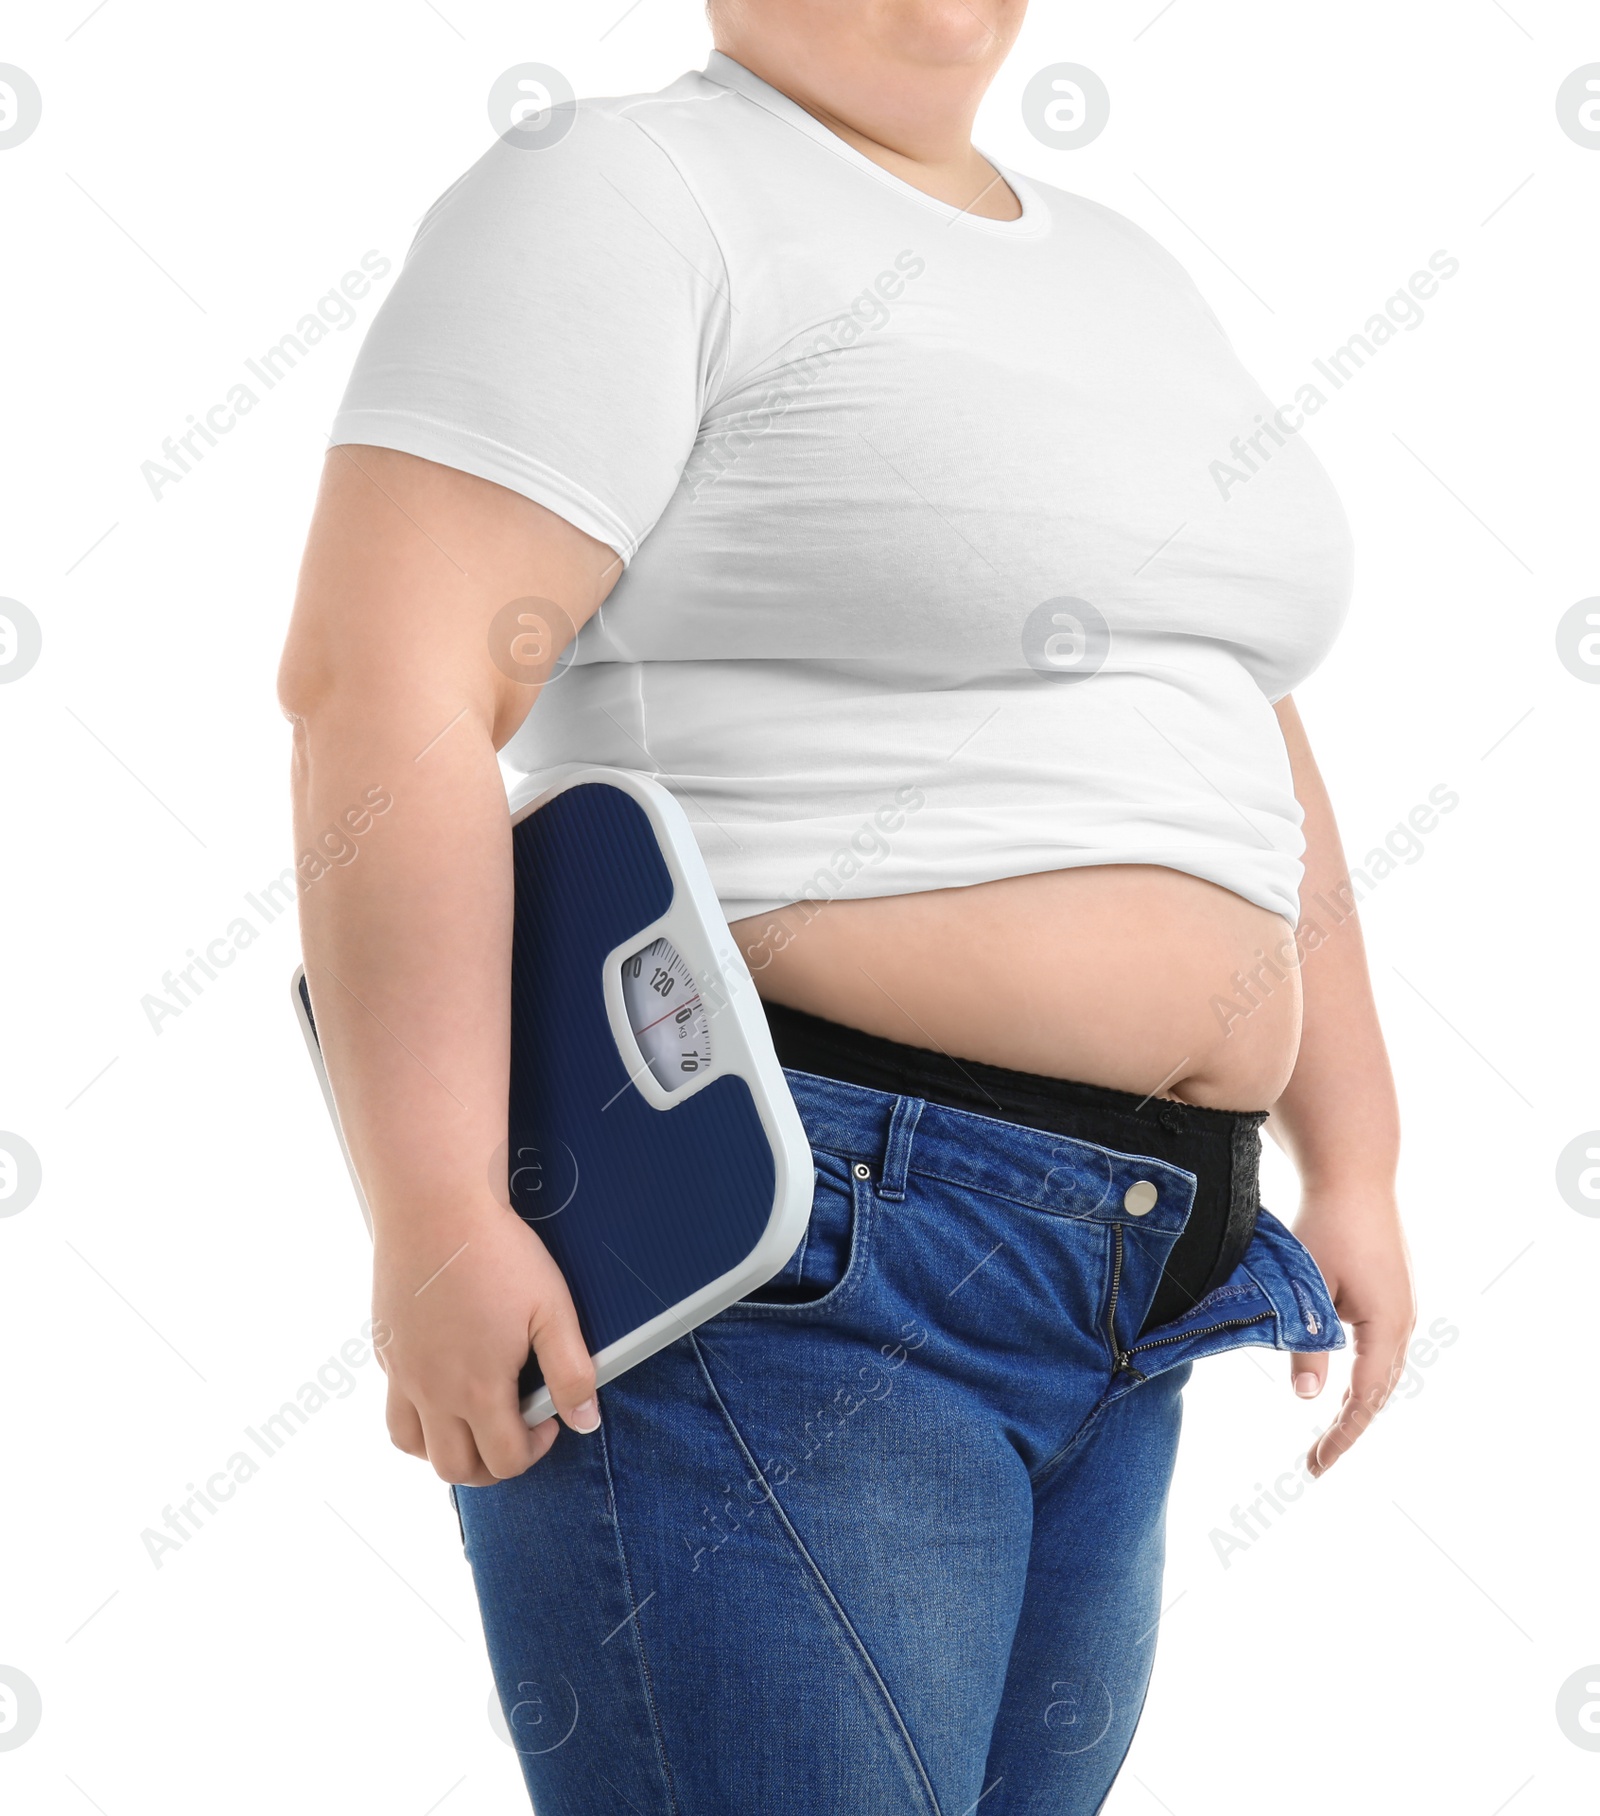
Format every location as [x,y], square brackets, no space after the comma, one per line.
[668,1019]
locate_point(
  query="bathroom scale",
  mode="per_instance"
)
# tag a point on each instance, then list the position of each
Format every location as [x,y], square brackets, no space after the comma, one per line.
[653,1143]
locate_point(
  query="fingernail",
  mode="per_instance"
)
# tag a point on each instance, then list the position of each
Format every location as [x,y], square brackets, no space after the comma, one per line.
[1306,1386]
[586,1415]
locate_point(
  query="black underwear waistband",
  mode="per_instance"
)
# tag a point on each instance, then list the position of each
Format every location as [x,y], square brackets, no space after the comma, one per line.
[1222,1148]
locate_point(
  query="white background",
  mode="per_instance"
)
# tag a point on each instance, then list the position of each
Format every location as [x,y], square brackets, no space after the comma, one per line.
[202,175]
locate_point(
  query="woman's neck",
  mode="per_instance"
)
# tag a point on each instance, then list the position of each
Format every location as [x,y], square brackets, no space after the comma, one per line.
[906,109]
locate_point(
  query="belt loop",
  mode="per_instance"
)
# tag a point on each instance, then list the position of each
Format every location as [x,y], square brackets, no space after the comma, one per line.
[897,1149]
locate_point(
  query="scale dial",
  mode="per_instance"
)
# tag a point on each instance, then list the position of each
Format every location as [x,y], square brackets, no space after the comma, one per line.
[668,1019]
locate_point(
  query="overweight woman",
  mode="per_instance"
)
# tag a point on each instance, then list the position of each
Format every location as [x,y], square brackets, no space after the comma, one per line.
[764,435]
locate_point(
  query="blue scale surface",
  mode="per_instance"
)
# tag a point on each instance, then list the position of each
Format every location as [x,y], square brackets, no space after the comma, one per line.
[640,1207]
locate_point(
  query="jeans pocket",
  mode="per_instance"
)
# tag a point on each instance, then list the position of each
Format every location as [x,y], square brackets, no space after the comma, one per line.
[832,1251]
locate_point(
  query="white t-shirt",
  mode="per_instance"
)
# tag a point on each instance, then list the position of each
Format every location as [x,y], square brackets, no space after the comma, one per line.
[936,572]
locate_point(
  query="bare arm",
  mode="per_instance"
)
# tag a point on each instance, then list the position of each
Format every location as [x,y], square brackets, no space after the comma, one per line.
[1339,1121]
[395,695]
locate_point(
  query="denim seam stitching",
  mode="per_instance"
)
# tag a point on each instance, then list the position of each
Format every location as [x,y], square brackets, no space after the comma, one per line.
[827,1588]
[1026,1204]
[1220,1295]
[1090,1418]
[633,1621]
[1111,1395]
[1105,1324]
[1035,1477]
[1279,1341]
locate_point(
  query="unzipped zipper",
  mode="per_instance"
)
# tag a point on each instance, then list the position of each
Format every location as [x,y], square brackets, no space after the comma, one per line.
[1119,1355]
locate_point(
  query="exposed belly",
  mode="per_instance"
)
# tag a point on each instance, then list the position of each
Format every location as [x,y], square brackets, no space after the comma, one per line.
[1127,975]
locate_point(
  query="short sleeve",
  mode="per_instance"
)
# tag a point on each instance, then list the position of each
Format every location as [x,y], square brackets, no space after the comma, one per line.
[556,327]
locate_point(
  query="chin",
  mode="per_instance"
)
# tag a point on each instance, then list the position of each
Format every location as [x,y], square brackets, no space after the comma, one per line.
[943,31]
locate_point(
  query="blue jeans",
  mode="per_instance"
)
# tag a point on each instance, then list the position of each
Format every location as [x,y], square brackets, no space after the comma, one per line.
[888,1535]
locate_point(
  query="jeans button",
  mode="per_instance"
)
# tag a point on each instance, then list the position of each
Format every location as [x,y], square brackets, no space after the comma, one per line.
[1140,1197]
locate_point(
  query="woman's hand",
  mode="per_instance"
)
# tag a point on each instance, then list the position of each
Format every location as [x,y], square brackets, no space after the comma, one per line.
[459,1306]
[1355,1236]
